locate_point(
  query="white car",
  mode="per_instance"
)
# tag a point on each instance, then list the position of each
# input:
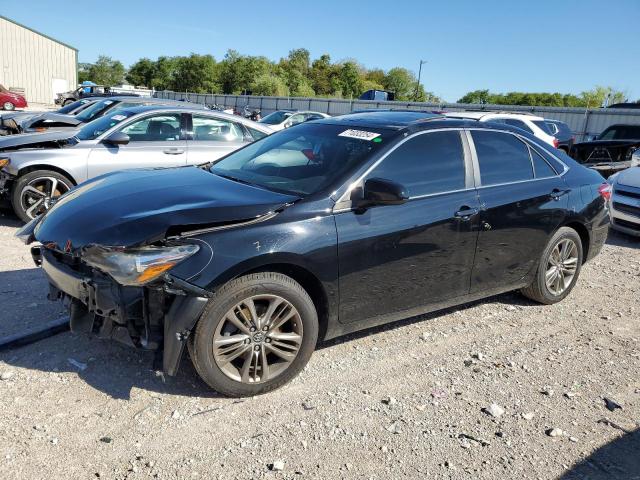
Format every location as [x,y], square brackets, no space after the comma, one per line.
[529,123]
[624,206]
[281,119]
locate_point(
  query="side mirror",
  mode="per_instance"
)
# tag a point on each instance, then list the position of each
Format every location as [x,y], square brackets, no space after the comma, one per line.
[117,138]
[378,191]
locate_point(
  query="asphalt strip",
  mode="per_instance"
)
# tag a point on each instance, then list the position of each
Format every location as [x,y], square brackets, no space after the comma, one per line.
[45,330]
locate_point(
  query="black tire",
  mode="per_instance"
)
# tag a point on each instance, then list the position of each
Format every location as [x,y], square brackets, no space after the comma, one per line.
[538,290]
[68,101]
[265,283]
[8,106]
[19,207]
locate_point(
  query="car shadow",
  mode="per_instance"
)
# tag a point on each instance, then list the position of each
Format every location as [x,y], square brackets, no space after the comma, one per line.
[107,366]
[617,460]
[9,219]
[620,239]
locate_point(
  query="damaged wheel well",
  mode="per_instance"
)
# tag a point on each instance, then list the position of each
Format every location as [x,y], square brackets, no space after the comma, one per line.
[310,283]
[33,168]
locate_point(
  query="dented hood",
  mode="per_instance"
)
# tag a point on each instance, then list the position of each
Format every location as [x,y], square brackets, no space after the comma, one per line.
[44,120]
[37,140]
[137,207]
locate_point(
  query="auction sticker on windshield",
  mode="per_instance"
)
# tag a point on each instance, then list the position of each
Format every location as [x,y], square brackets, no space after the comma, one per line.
[359,134]
[118,117]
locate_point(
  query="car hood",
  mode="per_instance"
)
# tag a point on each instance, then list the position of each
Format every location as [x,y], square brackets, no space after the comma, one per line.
[54,139]
[629,177]
[138,207]
[43,120]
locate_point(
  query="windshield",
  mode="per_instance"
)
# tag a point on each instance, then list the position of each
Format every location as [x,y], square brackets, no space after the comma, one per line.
[97,127]
[542,125]
[304,159]
[276,118]
[95,110]
[621,132]
[72,106]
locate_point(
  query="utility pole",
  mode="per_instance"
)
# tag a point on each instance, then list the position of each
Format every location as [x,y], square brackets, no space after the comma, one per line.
[415,95]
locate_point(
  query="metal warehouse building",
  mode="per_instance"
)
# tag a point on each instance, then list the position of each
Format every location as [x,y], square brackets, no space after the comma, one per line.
[34,64]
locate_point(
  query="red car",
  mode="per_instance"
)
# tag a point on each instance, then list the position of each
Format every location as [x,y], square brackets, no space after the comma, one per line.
[10,100]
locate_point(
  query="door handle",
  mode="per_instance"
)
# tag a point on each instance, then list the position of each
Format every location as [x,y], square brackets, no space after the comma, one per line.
[465,213]
[556,193]
[173,151]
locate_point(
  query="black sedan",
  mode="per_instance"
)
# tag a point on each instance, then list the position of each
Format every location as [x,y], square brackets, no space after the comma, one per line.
[319,230]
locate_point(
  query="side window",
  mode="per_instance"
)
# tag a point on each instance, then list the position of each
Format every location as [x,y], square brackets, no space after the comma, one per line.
[541,167]
[157,128]
[256,134]
[502,157]
[425,164]
[210,129]
[518,123]
[553,128]
[296,119]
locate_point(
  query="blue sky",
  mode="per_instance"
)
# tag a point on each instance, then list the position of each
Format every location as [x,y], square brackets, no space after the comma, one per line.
[565,46]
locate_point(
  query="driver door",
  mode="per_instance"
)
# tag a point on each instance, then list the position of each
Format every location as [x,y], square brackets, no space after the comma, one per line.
[156,140]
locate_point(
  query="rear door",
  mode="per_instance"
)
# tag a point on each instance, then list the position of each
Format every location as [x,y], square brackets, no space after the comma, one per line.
[156,140]
[396,258]
[210,137]
[522,200]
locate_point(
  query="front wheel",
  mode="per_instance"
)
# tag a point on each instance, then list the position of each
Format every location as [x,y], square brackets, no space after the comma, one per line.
[558,268]
[68,101]
[256,334]
[33,192]
[8,106]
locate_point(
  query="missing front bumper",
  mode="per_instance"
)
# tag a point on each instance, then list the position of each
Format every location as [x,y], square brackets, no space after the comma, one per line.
[141,317]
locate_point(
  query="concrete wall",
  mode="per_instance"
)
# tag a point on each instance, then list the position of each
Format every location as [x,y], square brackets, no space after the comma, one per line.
[35,63]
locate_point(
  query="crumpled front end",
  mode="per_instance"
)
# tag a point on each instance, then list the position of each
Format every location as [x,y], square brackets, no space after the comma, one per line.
[156,316]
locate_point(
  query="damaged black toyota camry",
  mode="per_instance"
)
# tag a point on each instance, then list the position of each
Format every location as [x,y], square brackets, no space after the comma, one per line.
[316,231]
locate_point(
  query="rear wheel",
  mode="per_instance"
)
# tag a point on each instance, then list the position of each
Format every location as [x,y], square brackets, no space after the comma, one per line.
[33,192]
[257,333]
[8,106]
[558,268]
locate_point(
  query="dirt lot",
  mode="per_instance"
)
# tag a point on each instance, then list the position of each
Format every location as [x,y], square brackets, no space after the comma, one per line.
[404,401]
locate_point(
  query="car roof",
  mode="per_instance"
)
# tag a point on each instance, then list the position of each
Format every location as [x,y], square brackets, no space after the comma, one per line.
[381,118]
[193,108]
[412,121]
[481,115]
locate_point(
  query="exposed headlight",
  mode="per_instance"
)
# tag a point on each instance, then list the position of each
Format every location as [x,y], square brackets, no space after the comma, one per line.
[137,266]
[4,161]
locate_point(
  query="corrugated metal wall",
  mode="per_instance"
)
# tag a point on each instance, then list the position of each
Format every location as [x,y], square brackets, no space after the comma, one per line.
[35,63]
[583,122]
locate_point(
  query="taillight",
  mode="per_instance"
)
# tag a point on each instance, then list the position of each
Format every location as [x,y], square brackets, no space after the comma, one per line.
[605,191]
[556,143]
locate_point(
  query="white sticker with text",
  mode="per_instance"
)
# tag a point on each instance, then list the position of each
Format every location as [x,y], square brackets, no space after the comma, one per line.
[359,134]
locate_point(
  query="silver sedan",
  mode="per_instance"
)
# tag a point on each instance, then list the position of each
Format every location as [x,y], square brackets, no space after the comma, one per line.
[37,168]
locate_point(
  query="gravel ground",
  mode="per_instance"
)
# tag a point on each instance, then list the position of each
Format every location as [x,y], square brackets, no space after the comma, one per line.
[500,388]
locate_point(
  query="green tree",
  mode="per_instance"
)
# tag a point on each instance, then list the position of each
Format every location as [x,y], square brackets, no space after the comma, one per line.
[598,95]
[402,82]
[195,73]
[238,72]
[270,85]
[323,75]
[294,69]
[105,71]
[142,73]
[350,82]
[477,96]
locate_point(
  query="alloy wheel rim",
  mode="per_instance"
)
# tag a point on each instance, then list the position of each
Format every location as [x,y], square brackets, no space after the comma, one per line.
[7,106]
[258,339]
[37,195]
[561,266]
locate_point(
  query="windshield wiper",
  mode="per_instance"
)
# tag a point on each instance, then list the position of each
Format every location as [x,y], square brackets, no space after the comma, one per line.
[234,179]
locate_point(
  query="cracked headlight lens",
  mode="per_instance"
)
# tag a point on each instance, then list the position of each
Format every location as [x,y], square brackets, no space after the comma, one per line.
[136,266]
